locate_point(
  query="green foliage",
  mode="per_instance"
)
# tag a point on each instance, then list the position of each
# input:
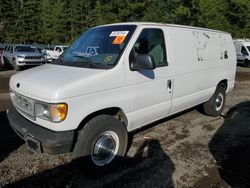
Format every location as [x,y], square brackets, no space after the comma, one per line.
[44,23]
[212,14]
[154,11]
[238,16]
[187,12]
[61,21]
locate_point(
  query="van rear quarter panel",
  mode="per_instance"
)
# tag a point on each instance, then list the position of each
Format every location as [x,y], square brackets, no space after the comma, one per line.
[200,59]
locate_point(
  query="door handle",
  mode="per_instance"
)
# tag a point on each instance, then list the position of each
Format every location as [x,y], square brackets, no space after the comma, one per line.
[169,85]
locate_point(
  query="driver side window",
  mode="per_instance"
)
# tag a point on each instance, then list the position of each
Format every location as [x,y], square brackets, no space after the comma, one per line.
[151,42]
[244,50]
[10,49]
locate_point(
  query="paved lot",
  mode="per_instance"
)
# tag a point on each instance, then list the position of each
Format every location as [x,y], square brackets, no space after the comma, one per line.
[188,150]
[4,89]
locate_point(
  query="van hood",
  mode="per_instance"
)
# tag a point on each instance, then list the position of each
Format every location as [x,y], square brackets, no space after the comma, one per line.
[55,82]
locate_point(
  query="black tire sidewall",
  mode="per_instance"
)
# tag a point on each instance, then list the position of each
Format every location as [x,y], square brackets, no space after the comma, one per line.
[209,107]
[219,90]
[89,135]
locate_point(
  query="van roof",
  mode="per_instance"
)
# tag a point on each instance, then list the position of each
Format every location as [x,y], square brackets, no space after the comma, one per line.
[244,43]
[165,24]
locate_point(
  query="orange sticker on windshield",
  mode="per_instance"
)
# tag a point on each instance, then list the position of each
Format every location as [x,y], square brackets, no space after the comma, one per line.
[119,39]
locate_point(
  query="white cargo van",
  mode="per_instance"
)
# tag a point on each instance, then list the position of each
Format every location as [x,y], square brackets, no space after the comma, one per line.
[243,52]
[115,79]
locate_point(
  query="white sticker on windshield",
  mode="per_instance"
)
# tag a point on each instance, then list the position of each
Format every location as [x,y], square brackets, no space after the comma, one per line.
[119,33]
[92,50]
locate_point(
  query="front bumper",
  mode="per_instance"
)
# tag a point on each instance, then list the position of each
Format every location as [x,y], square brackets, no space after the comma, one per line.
[24,63]
[41,139]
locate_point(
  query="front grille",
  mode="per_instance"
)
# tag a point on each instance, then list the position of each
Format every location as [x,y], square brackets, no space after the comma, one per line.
[33,57]
[23,104]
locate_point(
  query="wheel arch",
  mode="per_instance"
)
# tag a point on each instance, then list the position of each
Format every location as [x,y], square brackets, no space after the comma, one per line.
[113,111]
[223,83]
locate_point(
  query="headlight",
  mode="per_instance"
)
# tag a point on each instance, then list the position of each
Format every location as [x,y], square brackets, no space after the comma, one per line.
[52,112]
[20,56]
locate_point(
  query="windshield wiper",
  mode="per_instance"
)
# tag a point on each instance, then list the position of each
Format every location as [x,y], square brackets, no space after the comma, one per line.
[82,57]
[91,63]
[84,62]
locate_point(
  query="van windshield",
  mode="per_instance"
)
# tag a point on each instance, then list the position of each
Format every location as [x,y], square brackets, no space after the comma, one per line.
[248,47]
[99,47]
[24,49]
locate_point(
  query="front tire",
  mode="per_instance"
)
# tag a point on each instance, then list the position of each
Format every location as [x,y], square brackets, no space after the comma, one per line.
[15,66]
[100,145]
[216,103]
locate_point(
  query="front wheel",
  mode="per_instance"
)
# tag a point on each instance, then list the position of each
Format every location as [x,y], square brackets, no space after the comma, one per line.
[100,145]
[216,103]
[15,65]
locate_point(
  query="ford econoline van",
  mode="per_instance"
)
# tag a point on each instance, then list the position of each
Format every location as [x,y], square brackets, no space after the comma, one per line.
[115,79]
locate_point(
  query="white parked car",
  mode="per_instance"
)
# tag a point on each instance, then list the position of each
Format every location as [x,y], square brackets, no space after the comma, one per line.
[22,55]
[243,52]
[54,53]
[115,79]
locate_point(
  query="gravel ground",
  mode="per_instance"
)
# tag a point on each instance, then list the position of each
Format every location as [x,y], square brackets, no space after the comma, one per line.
[187,150]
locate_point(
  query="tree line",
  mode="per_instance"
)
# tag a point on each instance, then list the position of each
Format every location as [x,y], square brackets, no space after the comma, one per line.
[61,21]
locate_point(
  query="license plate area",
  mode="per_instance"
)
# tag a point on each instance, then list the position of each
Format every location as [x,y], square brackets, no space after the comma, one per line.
[33,145]
[23,104]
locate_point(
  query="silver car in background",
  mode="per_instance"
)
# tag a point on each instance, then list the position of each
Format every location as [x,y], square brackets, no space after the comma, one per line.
[21,55]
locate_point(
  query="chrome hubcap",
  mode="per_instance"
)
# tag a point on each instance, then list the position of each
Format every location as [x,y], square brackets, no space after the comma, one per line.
[219,102]
[105,148]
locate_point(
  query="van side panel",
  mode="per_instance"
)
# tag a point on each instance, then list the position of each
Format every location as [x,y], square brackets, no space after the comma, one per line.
[200,59]
[148,88]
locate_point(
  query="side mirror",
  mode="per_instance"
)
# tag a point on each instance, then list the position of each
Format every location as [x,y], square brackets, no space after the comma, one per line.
[143,62]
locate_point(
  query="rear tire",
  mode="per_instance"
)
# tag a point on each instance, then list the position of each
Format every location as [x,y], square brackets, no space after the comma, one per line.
[216,103]
[100,145]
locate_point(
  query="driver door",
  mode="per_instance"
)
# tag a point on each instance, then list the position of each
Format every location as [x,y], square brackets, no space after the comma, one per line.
[151,89]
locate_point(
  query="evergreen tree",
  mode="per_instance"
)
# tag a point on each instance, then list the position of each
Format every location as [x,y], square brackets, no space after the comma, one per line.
[186,12]
[76,18]
[4,13]
[47,21]
[58,20]
[27,21]
[212,14]
[160,11]
[238,16]
[45,24]
[10,17]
